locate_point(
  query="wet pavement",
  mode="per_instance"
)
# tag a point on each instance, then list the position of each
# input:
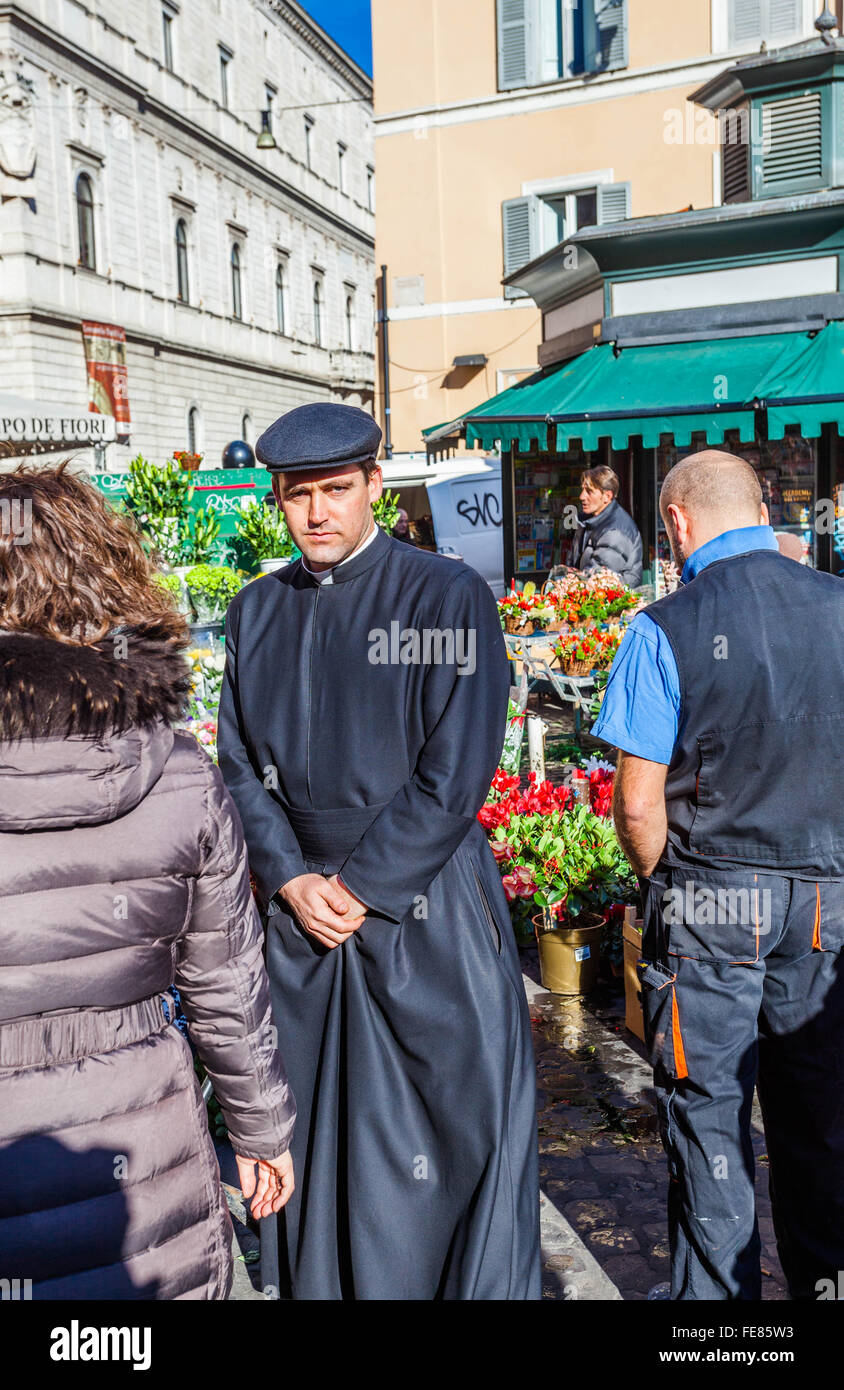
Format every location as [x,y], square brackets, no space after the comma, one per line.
[601,1162]
[602,1169]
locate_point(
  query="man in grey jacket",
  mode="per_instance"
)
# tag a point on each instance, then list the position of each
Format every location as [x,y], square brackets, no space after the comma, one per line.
[607,537]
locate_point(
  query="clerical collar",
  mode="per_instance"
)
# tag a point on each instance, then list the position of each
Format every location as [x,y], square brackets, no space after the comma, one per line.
[327,576]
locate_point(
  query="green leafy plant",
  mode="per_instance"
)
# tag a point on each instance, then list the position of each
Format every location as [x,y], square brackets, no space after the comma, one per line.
[202,530]
[159,498]
[173,584]
[211,588]
[569,861]
[386,510]
[263,531]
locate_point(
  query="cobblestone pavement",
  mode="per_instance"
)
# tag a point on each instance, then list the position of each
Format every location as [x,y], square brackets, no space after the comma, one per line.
[601,1162]
[602,1169]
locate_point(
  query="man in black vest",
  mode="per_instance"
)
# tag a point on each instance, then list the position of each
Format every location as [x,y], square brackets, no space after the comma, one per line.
[728,704]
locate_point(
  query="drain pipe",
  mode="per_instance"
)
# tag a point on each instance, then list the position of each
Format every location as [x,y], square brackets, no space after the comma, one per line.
[385,365]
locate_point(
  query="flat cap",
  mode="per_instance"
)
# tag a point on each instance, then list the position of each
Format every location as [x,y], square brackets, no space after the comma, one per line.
[319,433]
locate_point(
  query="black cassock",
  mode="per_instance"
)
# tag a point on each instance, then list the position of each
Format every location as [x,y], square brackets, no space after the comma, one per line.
[349,747]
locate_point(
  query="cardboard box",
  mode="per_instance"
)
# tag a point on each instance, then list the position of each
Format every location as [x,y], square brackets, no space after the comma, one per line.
[631,933]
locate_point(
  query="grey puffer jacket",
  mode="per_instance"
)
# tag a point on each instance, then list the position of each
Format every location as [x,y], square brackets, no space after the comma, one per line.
[610,541]
[122,870]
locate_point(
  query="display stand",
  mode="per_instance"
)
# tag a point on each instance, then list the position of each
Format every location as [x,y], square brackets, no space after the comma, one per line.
[572,690]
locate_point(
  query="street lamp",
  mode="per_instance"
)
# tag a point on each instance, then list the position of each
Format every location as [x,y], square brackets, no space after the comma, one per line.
[266,139]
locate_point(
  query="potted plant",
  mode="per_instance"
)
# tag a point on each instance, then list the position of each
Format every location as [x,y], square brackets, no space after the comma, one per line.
[187,460]
[177,589]
[567,862]
[501,817]
[544,616]
[159,499]
[517,610]
[263,531]
[577,653]
[200,534]
[211,589]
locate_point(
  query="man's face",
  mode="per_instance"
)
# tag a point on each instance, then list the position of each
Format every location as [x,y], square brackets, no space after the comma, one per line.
[328,511]
[593,501]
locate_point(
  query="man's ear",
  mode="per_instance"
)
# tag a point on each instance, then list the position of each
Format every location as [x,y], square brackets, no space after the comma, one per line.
[679,521]
[375,484]
[765,517]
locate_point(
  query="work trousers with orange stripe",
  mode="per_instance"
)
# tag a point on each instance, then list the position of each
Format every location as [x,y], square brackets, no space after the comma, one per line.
[743,985]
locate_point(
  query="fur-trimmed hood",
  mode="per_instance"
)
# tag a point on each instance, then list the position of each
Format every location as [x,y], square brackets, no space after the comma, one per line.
[134,676]
[85,731]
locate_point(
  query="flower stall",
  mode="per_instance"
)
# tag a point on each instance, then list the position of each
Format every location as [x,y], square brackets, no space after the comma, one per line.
[568,634]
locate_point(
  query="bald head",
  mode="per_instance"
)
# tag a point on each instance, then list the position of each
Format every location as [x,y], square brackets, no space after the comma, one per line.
[705,495]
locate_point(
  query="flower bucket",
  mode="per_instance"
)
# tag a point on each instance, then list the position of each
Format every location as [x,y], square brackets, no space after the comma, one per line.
[577,668]
[207,612]
[517,627]
[570,956]
[277,563]
[187,460]
[206,633]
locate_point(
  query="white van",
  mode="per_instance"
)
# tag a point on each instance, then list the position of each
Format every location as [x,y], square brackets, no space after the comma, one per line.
[463,500]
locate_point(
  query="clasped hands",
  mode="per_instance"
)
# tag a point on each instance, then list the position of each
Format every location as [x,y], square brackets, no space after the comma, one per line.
[326,909]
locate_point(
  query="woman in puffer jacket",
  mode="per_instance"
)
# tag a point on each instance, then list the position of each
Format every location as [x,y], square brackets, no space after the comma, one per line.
[122,871]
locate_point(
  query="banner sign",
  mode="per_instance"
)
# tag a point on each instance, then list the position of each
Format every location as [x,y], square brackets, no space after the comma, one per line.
[220,490]
[43,426]
[108,378]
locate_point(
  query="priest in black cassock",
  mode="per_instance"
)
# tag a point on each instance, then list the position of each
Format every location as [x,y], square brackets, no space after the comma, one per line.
[361,722]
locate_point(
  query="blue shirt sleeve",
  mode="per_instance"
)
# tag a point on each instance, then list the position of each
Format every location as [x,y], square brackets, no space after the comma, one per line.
[641,708]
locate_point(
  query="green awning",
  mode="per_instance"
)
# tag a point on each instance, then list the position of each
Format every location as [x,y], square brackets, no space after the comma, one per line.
[677,389]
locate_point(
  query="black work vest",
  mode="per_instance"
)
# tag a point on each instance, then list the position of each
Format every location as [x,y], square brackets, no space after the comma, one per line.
[756,775]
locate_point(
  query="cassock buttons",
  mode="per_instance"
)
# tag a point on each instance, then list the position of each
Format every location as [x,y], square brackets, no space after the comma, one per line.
[319,433]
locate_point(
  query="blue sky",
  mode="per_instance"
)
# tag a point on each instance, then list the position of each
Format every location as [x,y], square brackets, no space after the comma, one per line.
[349,24]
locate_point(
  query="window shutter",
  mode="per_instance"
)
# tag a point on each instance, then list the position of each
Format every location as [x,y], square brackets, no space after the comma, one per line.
[521,237]
[515,43]
[751,21]
[792,141]
[785,19]
[745,21]
[605,38]
[735,156]
[613,202]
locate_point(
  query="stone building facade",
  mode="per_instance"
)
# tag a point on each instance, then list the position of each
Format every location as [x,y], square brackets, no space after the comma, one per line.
[134,193]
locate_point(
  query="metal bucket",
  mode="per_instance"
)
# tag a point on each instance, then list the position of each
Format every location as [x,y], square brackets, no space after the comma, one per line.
[570,957]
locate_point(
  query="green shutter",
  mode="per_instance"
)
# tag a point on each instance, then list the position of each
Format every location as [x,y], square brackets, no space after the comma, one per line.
[792,143]
[735,155]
